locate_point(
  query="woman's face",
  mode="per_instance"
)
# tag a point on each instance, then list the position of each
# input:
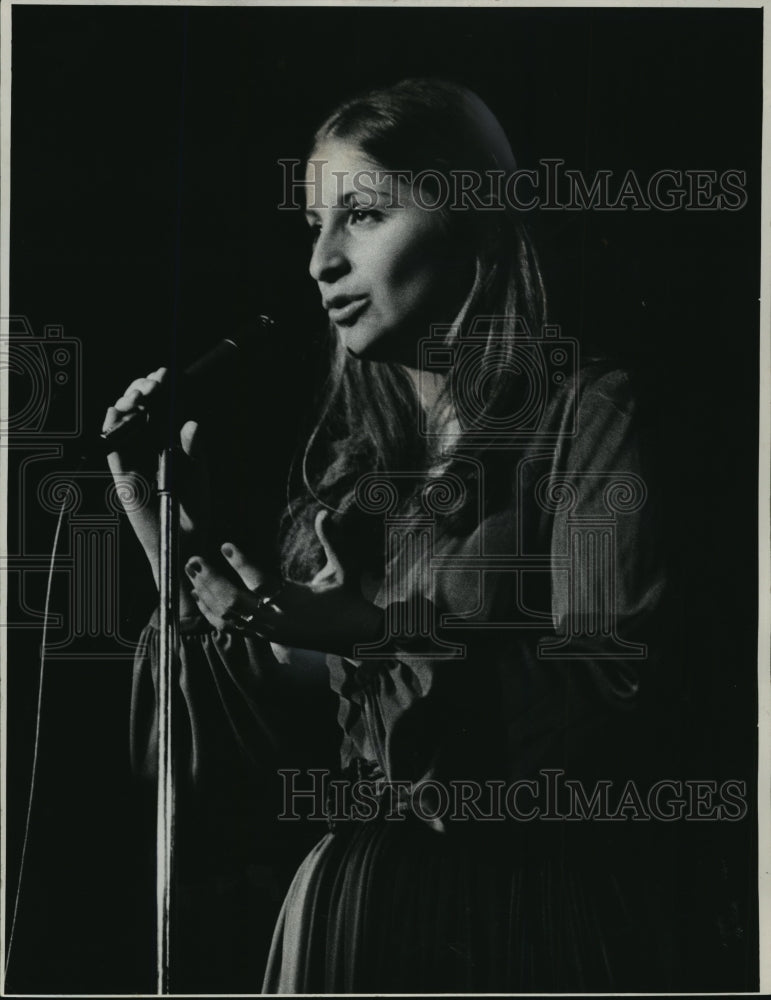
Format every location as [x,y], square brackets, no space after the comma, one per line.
[386,267]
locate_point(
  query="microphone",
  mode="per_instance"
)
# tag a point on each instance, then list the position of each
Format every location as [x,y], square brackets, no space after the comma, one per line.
[210,371]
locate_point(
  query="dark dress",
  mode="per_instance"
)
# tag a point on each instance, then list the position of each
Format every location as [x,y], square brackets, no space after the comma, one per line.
[521,648]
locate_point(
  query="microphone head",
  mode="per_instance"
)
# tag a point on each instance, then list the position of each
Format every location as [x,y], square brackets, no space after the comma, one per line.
[206,385]
[249,335]
[248,340]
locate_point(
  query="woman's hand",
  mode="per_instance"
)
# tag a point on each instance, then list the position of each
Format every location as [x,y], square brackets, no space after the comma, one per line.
[329,615]
[139,457]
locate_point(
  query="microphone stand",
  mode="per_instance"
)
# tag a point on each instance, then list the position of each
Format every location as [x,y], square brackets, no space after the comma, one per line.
[168,585]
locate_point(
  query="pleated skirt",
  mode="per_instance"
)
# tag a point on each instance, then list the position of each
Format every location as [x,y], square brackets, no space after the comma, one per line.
[395,907]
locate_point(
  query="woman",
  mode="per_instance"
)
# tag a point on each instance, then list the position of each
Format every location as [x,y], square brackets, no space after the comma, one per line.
[471,548]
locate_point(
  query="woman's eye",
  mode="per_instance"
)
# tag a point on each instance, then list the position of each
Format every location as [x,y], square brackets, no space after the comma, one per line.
[363,215]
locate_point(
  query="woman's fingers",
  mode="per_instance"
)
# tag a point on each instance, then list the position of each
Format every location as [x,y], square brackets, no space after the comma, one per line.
[130,400]
[214,596]
[189,438]
[251,575]
[110,418]
[144,386]
[217,591]
[211,617]
[334,548]
[222,603]
[194,486]
[140,389]
[321,524]
[133,398]
[150,382]
[220,594]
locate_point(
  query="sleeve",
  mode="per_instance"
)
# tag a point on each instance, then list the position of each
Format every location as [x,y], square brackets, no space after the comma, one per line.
[555,616]
[238,718]
[598,675]
[218,685]
[601,504]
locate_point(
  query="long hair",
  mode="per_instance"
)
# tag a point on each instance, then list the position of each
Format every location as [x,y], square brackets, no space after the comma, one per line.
[369,415]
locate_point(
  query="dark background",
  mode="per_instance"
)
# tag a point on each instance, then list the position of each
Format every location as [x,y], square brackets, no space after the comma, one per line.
[143,220]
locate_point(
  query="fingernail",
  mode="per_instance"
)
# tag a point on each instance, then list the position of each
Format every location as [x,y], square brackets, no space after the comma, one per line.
[227,551]
[193,567]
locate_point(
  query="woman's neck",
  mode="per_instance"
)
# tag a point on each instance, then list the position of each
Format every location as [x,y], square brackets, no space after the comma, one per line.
[428,386]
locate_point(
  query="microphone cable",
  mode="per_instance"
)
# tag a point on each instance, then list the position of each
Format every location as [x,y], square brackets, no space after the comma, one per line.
[36,745]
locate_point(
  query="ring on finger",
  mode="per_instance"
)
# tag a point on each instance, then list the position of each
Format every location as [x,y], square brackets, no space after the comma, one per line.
[267,596]
[246,622]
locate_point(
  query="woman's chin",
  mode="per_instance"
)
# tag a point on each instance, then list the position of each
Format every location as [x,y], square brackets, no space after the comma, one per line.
[367,345]
[363,344]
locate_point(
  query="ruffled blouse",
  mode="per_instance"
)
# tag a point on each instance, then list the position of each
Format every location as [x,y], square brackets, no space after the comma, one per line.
[525,643]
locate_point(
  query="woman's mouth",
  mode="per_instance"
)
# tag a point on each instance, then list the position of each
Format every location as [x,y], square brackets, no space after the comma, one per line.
[345,312]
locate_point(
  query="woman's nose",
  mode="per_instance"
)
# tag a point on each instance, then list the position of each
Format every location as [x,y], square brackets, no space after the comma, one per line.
[328,260]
